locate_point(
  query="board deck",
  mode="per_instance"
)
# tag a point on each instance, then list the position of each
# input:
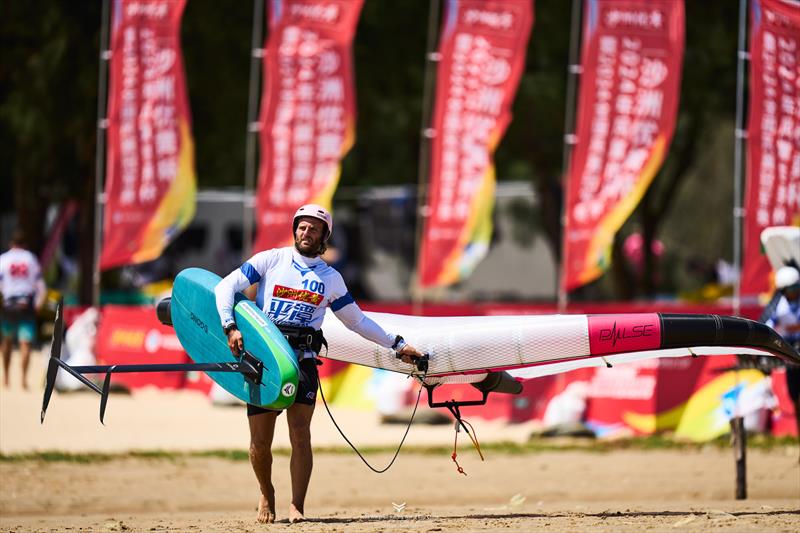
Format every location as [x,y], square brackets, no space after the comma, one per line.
[197,325]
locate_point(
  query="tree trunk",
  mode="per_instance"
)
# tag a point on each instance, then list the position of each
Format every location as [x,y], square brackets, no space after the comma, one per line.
[648,281]
[550,204]
[624,278]
[86,230]
[656,204]
[31,212]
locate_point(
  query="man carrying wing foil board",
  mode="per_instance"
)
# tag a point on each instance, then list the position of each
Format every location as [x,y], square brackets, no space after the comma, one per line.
[294,287]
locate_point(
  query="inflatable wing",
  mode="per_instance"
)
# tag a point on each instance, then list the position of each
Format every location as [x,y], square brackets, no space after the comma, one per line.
[782,245]
[472,349]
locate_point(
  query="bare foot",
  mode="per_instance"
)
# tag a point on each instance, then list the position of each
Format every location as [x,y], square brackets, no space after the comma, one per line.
[266,514]
[295,515]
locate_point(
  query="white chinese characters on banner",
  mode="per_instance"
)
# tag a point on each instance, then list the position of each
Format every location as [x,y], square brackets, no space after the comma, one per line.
[629,97]
[778,195]
[308,132]
[148,135]
[474,107]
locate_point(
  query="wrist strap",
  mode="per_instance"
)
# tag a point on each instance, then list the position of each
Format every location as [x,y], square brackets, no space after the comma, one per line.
[399,342]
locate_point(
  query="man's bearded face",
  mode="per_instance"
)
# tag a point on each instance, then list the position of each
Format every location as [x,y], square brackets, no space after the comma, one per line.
[308,236]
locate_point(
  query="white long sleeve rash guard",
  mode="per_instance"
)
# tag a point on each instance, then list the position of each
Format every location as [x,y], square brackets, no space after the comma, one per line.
[21,276]
[294,290]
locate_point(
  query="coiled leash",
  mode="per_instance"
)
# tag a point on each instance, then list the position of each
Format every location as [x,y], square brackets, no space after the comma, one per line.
[452,406]
[422,365]
[460,422]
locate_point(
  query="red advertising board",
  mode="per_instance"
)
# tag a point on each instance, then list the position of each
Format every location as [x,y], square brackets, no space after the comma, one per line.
[629,398]
[308,113]
[627,107]
[150,180]
[482,57]
[773,133]
[784,421]
[133,335]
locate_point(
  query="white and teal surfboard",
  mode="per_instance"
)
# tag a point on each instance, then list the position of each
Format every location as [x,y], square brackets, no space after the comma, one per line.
[197,325]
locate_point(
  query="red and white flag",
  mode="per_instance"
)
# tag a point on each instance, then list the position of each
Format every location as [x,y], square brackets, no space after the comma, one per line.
[482,48]
[773,133]
[627,108]
[308,113]
[150,179]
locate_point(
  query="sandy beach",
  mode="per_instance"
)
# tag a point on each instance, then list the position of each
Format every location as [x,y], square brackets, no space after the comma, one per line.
[618,490]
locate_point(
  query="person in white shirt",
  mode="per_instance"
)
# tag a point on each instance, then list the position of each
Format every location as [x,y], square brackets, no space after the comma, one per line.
[785,319]
[23,293]
[295,286]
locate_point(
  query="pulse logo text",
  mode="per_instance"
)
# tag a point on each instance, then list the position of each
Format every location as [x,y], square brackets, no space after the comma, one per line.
[634,332]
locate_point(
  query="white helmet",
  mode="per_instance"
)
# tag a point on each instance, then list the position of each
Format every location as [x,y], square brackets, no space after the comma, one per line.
[786,277]
[314,211]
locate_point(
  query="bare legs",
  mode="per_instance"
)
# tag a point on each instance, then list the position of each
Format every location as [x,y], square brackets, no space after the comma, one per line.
[262,430]
[6,361]
[25,351]
[302,461]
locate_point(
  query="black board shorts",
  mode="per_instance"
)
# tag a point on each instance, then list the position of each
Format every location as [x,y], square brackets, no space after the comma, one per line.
[307,384]
[793,382]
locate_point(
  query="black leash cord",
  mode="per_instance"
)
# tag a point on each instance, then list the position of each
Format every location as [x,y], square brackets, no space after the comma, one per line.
[325,403]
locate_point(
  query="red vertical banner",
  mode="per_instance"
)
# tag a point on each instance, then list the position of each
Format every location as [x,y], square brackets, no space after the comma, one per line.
[773,133]
[627,106]
[482,58]
[308,113]
[150,179]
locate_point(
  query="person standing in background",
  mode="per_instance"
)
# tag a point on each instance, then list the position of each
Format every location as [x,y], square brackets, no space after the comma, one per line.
[785,319]
[23,291]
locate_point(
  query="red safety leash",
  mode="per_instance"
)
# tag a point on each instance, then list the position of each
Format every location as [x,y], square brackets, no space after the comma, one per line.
[472,435]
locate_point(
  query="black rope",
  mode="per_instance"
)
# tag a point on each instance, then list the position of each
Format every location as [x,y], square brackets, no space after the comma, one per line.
[396,453]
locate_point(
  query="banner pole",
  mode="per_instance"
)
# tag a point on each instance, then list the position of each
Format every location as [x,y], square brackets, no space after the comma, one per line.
[738,158]
[738,434]
[432,58]
[574,69]
[253,128]
[102,127]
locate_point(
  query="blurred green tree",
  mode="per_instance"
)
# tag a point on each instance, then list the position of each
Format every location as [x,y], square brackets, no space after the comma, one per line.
[48,112]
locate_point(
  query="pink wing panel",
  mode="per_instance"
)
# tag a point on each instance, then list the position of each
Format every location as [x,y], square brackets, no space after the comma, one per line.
[624,333]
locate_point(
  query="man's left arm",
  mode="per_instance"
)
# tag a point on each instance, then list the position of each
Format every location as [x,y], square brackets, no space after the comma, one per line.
[346,309]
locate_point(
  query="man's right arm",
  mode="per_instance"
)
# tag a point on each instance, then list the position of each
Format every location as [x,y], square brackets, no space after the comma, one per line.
[240,279]
[224,293]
